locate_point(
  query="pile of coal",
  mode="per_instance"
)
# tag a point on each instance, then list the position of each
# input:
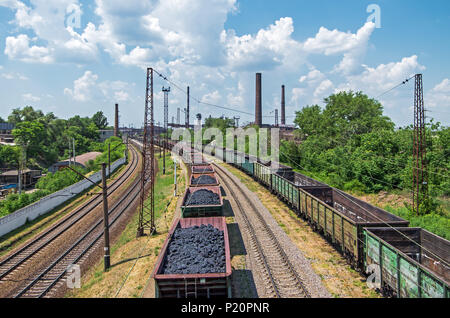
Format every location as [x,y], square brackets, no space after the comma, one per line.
[202,197]
[202,169]
[195,250]
[205,179]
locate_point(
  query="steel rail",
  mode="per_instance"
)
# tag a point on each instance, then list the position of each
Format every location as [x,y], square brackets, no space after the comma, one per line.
[63,225]
[270,233]
[97,227]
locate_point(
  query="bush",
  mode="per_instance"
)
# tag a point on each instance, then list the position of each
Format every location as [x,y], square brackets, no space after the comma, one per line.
[56,181]
[433,222]
[14,201]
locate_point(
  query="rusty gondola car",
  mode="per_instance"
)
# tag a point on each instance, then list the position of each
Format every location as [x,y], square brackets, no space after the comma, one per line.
[194,285]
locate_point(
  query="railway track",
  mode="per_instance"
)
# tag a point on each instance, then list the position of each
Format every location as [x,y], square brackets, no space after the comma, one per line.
[43,282]
[282,280]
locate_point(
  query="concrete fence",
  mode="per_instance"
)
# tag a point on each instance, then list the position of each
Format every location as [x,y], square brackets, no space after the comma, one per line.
[18,218]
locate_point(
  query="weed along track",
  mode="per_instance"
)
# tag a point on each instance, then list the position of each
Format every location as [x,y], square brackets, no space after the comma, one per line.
[280,278]
[40,265]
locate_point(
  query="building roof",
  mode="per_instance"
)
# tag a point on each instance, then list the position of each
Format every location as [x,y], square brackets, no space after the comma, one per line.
[84,158]
[12,173]
[6,126]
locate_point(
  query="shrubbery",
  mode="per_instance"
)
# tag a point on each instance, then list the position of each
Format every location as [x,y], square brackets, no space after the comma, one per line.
[63,178]
[15,201]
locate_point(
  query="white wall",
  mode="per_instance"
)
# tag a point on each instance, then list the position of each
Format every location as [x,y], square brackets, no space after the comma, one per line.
[16,219]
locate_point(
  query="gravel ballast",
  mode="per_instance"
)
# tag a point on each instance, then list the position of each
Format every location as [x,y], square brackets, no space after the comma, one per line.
[202,197]
[196,250]
[204,180]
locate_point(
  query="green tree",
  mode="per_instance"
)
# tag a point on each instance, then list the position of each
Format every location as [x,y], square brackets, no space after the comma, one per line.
[26,114]
[100,120]
[29,135]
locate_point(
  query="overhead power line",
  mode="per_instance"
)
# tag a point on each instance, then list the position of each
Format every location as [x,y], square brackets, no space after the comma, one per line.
[198,100]
[391,89]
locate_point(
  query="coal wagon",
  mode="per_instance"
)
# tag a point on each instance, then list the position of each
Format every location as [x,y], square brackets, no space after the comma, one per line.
[410,262]
[189,210]
[194,285]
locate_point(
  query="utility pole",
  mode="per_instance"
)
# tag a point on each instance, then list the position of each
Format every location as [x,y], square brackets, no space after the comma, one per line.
[166,124]
[74,155]
[276,117]
[107,261]
[70,153]
[187,109]
[175,177]
[109,159]
[420,175]
[178,116]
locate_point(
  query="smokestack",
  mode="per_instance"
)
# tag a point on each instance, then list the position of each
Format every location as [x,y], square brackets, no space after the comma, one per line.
[283,106]
[116,122]
[258,100]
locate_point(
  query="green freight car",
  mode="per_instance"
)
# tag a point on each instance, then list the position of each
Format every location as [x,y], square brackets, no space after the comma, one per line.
[263,174]
[343,221]
[409,262]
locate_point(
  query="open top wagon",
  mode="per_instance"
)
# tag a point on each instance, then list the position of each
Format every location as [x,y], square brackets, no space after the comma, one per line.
[194,285]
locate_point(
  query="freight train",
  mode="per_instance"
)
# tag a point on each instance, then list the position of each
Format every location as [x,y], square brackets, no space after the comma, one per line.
[404,262]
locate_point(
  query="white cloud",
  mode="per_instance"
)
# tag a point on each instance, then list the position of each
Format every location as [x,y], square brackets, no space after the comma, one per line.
[30,98]
[376,80]
[439,96]
[266,50]
[19,48]
[83,87]
[88,88]
[13,75]
[324,88]
[212,98]
[121,96]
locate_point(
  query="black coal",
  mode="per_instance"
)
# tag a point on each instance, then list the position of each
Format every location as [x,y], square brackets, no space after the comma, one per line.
[196,250]
[205,179]
[202,197]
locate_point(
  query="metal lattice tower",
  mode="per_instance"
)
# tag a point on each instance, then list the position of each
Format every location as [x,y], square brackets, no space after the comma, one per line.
[420,176]
[166,124]
[147,208]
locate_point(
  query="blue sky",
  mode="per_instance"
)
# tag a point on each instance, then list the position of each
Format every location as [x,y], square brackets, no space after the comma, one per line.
[315,48]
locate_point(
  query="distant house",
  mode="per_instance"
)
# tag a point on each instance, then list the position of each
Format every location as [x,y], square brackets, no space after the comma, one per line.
[105,134]
[6,136]
[29,177]
[80,161]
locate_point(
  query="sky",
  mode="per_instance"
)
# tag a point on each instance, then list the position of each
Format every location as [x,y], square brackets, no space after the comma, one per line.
[74,57]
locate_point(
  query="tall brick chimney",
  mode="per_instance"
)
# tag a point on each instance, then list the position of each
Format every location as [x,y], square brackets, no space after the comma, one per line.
[283,106]
[116,122]
[258,101]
